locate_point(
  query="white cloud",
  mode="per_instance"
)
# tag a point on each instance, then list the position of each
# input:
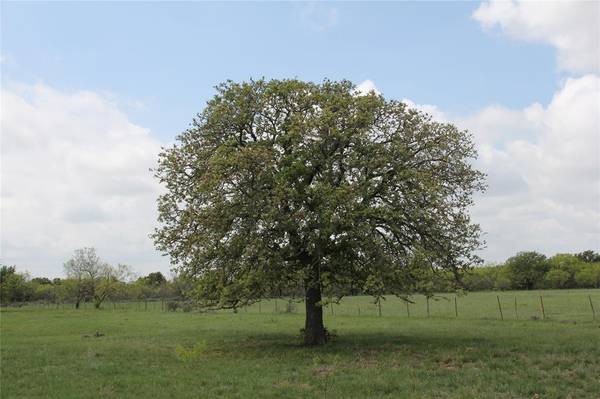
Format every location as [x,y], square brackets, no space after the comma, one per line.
[573,27]
[319,16]
[432,110]
[543,172]
[365,87]
[543,167]
[75,172]
[554,150]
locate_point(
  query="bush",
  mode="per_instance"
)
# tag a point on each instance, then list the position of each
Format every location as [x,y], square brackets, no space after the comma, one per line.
[188,354]
[172,306]
[187,307]
[588,276]
[483,278]
[502,282]
[556,278]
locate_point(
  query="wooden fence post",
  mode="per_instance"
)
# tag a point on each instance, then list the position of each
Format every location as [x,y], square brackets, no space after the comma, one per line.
[592,306]
[379,305]
[358,310]
[516,312]
[259,309]
[427,306]
[500,308]
[455,307]
[543,311]
[407,310]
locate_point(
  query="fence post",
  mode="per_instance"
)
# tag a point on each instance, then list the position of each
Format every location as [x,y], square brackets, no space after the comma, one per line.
[358,310]
[379,305]
[500,307]
[407,310]
[592,306]
[543,311]
[275,305]
[259,310]
[516,313]
[427,306]
[455,307]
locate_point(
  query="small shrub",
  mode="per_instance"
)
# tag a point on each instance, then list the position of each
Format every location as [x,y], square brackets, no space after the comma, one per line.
[172,306]
[187,307]
[189,354]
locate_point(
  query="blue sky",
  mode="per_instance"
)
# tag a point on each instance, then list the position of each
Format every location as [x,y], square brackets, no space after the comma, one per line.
[167,57]
[92,90]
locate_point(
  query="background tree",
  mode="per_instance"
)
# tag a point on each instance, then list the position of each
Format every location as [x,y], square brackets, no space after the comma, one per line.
[5,271]
[73,290]
[562,270]
[589,256]
[481,278]
[109,281]
[588,276]
[280,184]
[14,287]
[84,269]
[154,285]
[155,279]
[526,269]
[41,280]
[557,278]
[90,278]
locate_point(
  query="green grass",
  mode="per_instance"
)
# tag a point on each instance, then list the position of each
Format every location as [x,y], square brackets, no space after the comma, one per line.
[50,353]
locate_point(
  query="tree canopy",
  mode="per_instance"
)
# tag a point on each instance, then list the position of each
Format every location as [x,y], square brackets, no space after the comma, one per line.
[526,269]
[282,184]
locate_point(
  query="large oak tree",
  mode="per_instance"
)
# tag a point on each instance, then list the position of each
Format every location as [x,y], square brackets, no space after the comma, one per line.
[283,184]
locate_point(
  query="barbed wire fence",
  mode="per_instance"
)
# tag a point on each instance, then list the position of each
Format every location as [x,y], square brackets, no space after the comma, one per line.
[500,306]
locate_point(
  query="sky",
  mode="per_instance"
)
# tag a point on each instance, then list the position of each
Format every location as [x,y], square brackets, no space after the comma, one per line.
[91,91]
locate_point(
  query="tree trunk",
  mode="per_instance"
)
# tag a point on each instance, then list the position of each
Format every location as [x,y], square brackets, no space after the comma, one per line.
[314,330]
[98,301]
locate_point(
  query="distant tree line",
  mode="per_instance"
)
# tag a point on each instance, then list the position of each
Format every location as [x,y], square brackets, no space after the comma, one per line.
[93,281]
[532,270]
[89,280]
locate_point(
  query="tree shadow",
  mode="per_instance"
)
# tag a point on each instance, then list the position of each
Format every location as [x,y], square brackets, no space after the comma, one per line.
[348,343]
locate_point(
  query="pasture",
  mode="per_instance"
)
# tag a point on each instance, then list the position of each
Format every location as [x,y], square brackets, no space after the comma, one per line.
[132,351]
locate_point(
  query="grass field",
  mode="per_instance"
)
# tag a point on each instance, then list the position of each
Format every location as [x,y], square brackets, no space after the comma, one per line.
[56,353]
